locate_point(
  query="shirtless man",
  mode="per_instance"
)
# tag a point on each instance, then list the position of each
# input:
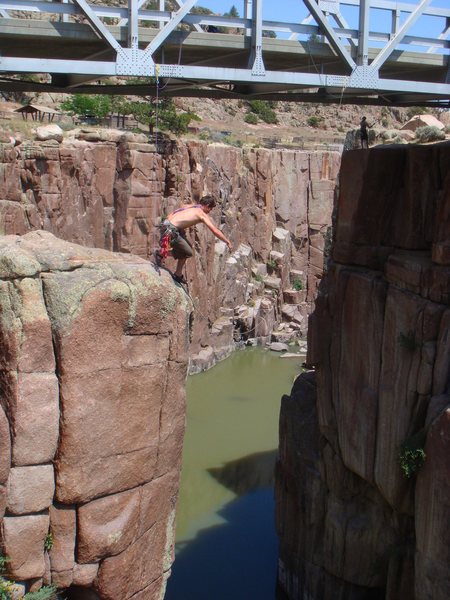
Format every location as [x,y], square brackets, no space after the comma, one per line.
[364,133]
[175,224]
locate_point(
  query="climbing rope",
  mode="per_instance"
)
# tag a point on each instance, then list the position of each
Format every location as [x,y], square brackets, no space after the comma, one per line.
[157,71]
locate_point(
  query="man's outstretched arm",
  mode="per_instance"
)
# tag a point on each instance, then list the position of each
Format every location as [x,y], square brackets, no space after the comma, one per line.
[207,221]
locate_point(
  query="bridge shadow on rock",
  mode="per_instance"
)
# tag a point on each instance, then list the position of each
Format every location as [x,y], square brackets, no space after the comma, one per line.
[248,473]
[236,560]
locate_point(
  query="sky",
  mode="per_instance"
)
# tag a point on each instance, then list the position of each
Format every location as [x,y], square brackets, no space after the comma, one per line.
[295,11]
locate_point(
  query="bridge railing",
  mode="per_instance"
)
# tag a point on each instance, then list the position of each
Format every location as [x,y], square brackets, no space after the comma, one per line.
[205,23]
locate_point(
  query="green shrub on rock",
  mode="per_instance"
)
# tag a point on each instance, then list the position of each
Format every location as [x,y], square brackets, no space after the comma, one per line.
[314,121]
[263,110]
[412,454]
[47,592]
[8,589]
[251,118]
[429,134]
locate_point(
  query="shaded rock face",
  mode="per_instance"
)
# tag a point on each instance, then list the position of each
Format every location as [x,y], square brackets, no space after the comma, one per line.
[351,525]
[275,206]
[93,367]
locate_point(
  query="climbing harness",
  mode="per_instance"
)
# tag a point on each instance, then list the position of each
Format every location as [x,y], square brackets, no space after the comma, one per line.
[170,233]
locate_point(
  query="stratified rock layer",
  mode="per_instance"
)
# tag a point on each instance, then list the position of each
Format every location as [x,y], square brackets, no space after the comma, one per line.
[110,189]
[93,365]
[351,524]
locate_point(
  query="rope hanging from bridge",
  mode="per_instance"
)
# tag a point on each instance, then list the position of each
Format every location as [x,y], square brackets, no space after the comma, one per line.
[157,71]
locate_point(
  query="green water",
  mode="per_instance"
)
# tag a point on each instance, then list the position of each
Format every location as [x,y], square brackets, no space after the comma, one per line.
[226,543]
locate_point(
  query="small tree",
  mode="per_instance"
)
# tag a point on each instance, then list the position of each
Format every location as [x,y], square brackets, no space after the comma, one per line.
[233,12]
[415,110]
[263,110]
[143,112]
[98,106]
[161,113]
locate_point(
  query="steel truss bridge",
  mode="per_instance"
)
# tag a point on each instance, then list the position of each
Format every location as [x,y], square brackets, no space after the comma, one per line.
[142,47]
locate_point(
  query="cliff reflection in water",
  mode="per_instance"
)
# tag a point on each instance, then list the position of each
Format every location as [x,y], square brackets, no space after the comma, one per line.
[247,474]
[226,542]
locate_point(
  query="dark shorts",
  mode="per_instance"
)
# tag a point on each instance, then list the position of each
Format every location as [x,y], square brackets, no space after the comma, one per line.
[181,248]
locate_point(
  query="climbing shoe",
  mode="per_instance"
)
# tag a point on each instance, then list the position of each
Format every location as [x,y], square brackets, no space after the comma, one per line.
[157,257]
[179,279]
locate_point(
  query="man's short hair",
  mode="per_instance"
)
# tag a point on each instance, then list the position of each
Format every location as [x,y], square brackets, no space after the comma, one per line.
[208,201]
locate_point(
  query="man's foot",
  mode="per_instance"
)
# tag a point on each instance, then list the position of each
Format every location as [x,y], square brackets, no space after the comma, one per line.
[179,279]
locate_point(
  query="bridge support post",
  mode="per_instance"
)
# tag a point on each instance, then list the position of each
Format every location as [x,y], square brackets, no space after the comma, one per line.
[256,58]
[248,14]
[363,38]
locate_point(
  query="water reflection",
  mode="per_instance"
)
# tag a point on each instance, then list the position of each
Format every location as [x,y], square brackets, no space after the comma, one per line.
[226,543]
[247,474]
[234,560]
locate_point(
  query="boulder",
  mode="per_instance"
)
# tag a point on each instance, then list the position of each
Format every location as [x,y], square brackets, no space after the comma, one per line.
[422,121]
[272,283]
[91,341]
[23,540]
[30,489]
[278,347]
[63,539]
[49,132]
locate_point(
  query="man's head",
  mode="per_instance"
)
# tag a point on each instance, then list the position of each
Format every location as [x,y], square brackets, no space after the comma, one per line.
[207,203]
[364,119]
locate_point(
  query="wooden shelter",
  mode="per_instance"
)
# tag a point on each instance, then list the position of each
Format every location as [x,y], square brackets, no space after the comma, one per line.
[37,112]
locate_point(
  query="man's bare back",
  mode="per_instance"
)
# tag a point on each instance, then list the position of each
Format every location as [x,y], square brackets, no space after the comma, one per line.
[189,215]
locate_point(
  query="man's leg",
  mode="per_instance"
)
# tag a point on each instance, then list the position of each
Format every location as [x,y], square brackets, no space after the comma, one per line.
[180,266]
[181,250]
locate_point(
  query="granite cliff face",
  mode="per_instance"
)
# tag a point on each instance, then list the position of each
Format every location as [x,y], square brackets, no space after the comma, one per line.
[95,344]
[351,525]
[93,367]
[109,190]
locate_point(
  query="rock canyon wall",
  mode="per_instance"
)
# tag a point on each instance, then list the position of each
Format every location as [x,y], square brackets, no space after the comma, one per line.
[109,190]
[359,516]
[95,343]
[93,367]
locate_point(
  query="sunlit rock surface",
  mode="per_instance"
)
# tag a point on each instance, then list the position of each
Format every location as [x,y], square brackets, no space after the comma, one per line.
[351,525]
[93,366]
[109,189]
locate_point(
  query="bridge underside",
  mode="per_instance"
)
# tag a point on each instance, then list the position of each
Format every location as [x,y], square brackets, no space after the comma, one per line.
[195,60]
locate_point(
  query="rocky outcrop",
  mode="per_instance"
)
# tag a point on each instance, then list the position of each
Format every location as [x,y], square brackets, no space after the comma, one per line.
[423,120]
[358,514]
[109,189]
[93,366]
